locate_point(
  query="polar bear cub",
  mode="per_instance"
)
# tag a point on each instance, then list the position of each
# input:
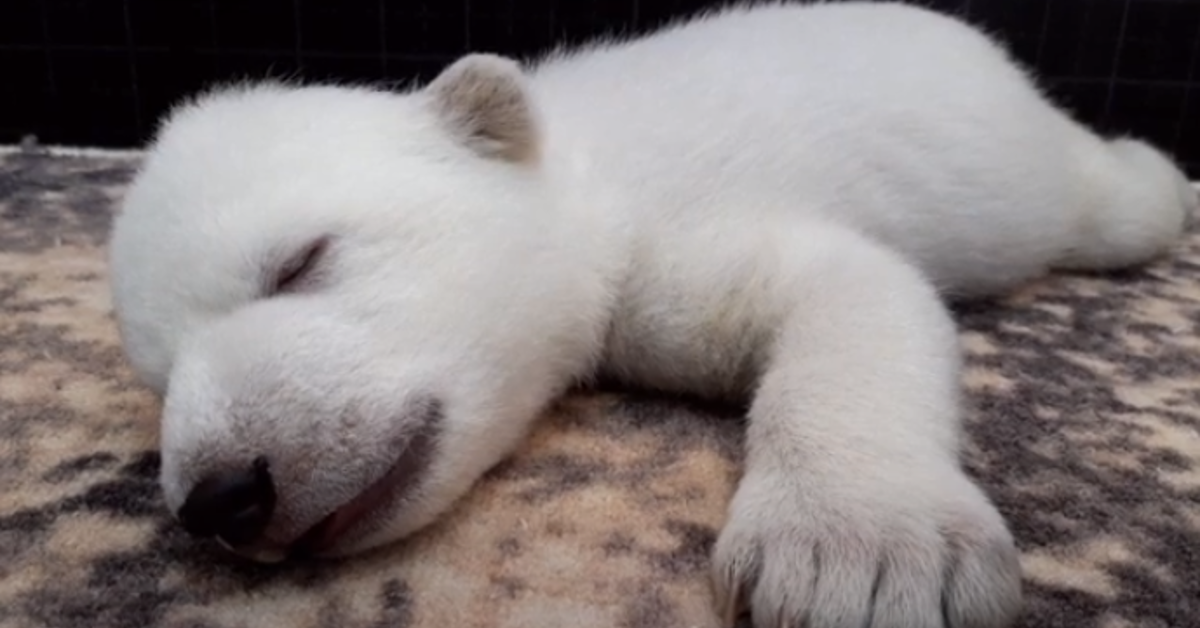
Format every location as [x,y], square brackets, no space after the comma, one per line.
[356,302]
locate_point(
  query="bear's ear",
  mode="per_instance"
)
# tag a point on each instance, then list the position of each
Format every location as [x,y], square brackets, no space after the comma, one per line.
[483,101]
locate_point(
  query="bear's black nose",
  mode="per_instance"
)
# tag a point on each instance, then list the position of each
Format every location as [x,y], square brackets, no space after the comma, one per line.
[234,506]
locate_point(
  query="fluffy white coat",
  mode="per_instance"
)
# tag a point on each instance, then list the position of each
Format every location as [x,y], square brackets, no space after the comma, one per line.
[772,201]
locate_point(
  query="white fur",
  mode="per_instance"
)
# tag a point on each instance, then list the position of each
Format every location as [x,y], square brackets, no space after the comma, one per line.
[770,201]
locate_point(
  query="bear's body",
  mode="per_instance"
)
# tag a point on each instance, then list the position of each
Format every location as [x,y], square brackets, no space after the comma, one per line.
[899,124]
[338,288]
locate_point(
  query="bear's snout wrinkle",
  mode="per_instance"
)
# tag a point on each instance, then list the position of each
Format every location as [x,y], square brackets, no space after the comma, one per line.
[234,506]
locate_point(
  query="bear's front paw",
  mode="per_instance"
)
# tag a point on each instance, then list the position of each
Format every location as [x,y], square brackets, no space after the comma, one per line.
[915,556]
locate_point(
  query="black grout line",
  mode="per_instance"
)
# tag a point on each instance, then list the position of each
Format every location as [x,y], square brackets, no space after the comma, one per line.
[383,38]
[133,73]
[46,47]
[296,30]
[1188,92]
[510,18]
[466,25]
[1080,44]
[1116,63]
[80,47]
[1044,35]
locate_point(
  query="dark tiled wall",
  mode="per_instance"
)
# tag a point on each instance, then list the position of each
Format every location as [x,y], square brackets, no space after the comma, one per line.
[100,72]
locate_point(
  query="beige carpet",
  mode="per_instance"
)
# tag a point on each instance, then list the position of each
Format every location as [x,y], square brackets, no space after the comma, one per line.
[1085,426]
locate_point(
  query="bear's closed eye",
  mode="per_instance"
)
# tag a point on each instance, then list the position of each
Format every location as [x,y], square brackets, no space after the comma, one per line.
[298,270]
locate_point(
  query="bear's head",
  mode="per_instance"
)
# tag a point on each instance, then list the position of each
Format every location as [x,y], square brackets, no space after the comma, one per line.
[353,302]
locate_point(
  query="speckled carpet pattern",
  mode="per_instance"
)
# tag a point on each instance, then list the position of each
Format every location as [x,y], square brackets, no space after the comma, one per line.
[1084,423]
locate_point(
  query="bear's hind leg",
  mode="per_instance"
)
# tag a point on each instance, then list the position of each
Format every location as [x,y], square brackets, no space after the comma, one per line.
[1134,205]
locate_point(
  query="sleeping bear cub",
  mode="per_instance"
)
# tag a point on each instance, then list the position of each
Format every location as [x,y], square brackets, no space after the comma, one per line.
[355,302]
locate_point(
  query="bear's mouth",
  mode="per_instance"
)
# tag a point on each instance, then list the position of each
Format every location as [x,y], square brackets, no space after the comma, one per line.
[381,496]
[334,526]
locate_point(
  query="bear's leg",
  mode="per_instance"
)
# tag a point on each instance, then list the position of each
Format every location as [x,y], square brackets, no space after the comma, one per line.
[1135,203]
[1097,204]
[853,509]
